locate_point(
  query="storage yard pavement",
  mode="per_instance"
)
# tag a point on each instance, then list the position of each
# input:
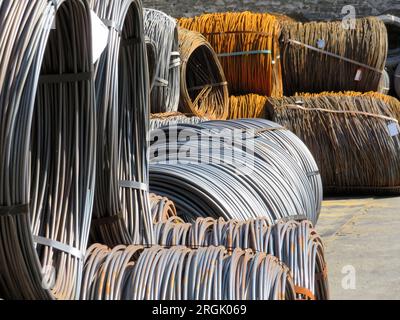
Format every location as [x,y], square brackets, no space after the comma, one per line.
[362,240]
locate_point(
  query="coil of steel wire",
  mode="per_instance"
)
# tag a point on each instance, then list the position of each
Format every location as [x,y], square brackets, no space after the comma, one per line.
[162,208]
[354,139]
[47,147]
[315,61]
[247,45]
[237,178]
[296,244]
[163,31]
[158,121]
[247,106]
[179,273]
[204,90]
[122,210]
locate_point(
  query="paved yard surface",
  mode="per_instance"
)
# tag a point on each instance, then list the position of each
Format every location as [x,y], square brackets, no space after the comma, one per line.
[362,238]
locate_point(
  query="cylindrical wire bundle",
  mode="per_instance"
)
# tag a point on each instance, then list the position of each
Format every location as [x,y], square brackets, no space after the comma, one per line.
[247,106]
[248,47]
[180,273]
[162,30]
[296,244]
[324,56]
[158,121]
[204,90]
[47,147]
[237,178]
[122,210]
[162,208]
[354,139]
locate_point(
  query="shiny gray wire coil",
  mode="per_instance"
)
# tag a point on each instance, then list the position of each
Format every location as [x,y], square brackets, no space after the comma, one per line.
[296,244]
[269,183]
[180,273]
[163,31]
[47,147]
[122,210]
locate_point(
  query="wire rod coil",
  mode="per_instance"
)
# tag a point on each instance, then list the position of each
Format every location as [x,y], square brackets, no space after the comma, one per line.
[162,208]
[47,143]
[247,106]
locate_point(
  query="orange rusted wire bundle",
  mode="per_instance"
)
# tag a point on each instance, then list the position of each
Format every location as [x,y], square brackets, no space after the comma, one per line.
[162,208]
[355,139]
[324,56]
[247,45]
[204,89]
[247,107]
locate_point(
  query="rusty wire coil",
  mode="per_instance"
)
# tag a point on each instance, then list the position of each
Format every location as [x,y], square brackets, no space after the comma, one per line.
[323,56]
[47,147]
[247,45]
[297,244]
[249,106]
[162,208]
[204,90]
[180,273]
[122,210]
[354,139]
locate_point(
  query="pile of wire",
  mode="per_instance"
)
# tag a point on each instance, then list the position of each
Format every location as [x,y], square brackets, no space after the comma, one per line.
[204,90]
[180,273]
[297,244]
[47,147]
[247,45]
[324,56]
[247,106]
[211,170]
[162,30]
[122,210]
[355,139]
[162,208]
[166,119]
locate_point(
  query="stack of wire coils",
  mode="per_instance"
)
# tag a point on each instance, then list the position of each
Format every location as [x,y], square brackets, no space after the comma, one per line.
[122,210]
[162,30]
[47,147]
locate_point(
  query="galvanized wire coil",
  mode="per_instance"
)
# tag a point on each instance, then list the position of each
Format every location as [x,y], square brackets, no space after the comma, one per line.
[162,208]
[179,273]
[314,61]
[296,244]
[204,90]
[158,121]
[261,181]
[122,210]
[162,30]
[47,143]
[354,139]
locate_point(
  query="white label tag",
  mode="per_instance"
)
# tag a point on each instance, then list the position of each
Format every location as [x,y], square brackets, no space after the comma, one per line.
[99,36]
[394,129]
[359,75]
[321,43]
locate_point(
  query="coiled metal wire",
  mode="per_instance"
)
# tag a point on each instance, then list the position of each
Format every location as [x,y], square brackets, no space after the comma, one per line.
[296,244]
[354,139]
[162,30]
[158,121]
[162,208]
[262,181]
[122,210]
[247,106]
[180,273]
[47,147]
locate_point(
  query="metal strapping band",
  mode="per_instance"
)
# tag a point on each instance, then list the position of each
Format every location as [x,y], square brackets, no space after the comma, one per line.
[133,185]
[175,53]
[314,173]
[17,210]
[64,78]
[161,82]
[59,246]
[112,25]
[175,63]
[298,218]
[243,53]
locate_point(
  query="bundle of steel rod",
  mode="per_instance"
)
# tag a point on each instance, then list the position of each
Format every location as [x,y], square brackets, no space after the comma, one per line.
[220,172]
[248,47]
[122,212]
[165,119]
[47,147]
[247,106]
[180,273]
[296,244]
[204,90]
[355,139]
[162,208]
[314,60]
[162,30]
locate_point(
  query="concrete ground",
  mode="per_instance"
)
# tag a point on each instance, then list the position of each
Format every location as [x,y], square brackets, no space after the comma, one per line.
[362,239]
